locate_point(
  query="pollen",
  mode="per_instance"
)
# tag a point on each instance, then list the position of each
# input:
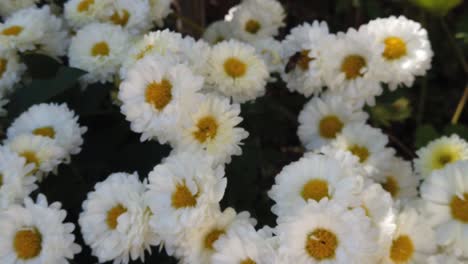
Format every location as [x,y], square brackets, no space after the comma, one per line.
[45,132]
[443,156]
[391,185]
[12,31]
[27,244]
[120,18]
[352,66]
[3,66]
[31,158]
[100,49]
[402,249]
[235,68]
[321,244]
[143,52]
[315,189]
[159,94]
[84,5]
[113,214]
[304,60]
[212,237]
[395,48]
[252,26]
[330,126]
[207,128]
[359,151]
[182,197]
[459,208]
[248,261]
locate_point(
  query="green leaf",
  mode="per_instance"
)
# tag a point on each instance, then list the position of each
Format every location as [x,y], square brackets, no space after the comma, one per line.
[40,66]
[424,134]
[460,130]
[386,113]
[437,7]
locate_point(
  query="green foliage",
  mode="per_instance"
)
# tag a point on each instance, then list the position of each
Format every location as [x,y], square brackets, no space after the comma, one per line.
[437,7]
[424,134]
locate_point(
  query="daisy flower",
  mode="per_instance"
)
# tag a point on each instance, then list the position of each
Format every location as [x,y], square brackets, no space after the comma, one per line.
[99,50]
[79,13]
[407,52]
[42,152]
[160,9]
[132,15]
[211,128]
[199,243]
[52,121]
[15,182]
[349,62]
[366,143]
[235,70]
[154,95]
[301,53]
[327,232]
[11,70]
[270,51]
[8,7]
[114,221]
[323,118]
[439,153]
[295,185]
[218,31]
[182,193]
[444,259]
[445,192]
[413,240]
[36,233]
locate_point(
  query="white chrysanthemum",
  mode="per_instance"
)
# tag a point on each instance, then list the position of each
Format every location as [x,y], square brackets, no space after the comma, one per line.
[211,128]
[399,180]
[182,193]
[346,158]
[440,152]
[257,19]
[445,259]
[313,177]
[323,118]
[99,49]
[35,233]
[11,70]
[160,9]
[270,51]
[114,221]
[80,13]
[42,152]
[366,143]
[198,245]
[8,7]
[327,232]
[195,54]
[413,240]
[235,70]
[446,194]
[301,53]
[155,94]
[242,244]
[218,31]
[53,121]
[15,181]
[132,15]
[349,62]
[407,50]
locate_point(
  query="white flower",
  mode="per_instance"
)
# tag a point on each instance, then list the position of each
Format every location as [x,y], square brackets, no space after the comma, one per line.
[55,39]
[182,193]
[160,9]
[11,70]
[366,143]
[327,232]
[444,259]
[80,13]
[132,15]
[257,19]
[211,128]
[439,153]
[413,241]
[218,31]
[349,62]
[114,221]
[15,181]
[42,152]
[235,70]
[301,53]
[8,7]
[313,178]
[53,121]
[446,194]
[198,245]
[323,118]
[99,50]
[155,94]
[270,51]
[242,244]
[35,233]
[407,50]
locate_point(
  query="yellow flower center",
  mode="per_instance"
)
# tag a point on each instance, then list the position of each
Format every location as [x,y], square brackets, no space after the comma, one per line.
[84,5]
[330,126]
[120,18]
[3,66]
[444,155]
[45,132]
[113,214]
[252,26]
[304,60]
[12,31]
[207,128]
[212,237]
[182,197]
[321,244]
[100,49]
[352,66]
[235,68]
[459,208]
[359,151]
[248,261]
[159,94]
[31,158]
[395,48]
[27,243]
[315,189]
[366,210]
[391,185]
[402,249]
[144,51]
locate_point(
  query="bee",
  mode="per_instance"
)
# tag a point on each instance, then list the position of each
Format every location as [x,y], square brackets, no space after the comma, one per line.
[293,61]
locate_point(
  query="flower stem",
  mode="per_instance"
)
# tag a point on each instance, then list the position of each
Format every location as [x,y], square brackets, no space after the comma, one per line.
[460,106]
